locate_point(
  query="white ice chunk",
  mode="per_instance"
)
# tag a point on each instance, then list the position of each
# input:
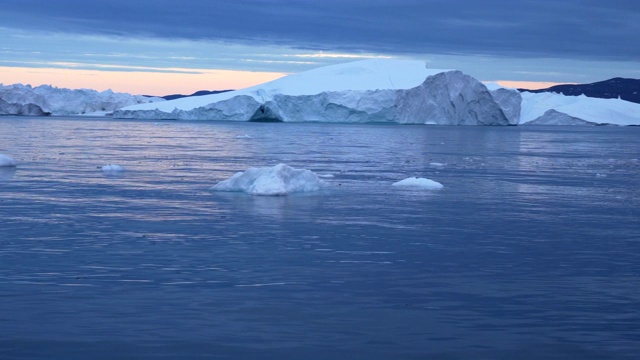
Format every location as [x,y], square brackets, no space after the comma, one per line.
[6,161]
[419,183]
[245,136]
[271,181]
[326,176]
[113,169]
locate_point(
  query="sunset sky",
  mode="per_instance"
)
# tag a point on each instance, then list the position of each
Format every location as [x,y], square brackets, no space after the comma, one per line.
[161,47]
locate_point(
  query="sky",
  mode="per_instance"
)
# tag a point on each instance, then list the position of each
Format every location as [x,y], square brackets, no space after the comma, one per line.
[160,47]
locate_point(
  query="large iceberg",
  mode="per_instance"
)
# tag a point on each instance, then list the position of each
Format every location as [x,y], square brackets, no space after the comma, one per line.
[21,99]
[271,181]
[374,90]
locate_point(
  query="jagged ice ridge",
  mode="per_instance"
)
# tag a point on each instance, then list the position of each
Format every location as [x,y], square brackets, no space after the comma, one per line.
[18,99]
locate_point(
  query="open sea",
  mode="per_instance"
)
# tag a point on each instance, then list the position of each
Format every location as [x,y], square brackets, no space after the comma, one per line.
[530,251]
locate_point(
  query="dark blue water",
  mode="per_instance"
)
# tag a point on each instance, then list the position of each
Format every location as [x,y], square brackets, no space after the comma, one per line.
[530,251]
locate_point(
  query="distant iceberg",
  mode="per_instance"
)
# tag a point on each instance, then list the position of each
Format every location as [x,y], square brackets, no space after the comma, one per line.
[421,183]
[21,99]
[6,161]
[374,90]
[576,110]
[278,180]
[553,117]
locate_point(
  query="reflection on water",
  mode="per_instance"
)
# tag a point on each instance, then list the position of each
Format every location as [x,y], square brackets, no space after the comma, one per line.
[6,173]
[530,251]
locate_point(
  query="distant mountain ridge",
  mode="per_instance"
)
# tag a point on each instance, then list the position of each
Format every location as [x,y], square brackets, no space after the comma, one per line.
[197,93]
[625,89]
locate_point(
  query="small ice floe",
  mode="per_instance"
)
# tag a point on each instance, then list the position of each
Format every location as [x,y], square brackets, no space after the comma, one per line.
[601,175]
[437,164]
[326,176]
[112,169]
[422,183]
[245,136]
[6,161]
[278,180]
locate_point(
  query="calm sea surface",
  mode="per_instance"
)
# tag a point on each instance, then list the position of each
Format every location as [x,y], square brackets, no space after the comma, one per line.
[530,251]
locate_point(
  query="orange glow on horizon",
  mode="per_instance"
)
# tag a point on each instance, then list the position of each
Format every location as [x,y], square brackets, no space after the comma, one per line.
[531,85]
[137,82]
[182,81]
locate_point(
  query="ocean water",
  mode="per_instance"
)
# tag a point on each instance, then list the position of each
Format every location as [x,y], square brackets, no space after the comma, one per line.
[530,251]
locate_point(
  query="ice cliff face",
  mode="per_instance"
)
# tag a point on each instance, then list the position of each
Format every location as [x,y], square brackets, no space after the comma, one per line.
[449,98]
[58,101]
[20,109]
[364,91]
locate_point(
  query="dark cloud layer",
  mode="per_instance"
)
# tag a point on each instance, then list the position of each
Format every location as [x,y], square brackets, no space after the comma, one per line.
[581,29]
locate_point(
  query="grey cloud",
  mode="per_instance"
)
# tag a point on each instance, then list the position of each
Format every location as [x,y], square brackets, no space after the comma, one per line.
[582,29]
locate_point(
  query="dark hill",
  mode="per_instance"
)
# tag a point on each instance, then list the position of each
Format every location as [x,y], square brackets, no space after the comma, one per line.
[626,89]
[197,93]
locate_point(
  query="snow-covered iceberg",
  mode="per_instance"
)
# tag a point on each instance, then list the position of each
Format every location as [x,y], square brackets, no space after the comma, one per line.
[271,181]
[374,90]
[21,99]
[6,161]
[416,182]
[576,110]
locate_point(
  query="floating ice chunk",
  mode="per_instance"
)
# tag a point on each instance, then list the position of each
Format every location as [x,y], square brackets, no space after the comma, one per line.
[326,176]
[437,164]
[271,181]
[6,161]
[419,183]
[113,169]
[245,136]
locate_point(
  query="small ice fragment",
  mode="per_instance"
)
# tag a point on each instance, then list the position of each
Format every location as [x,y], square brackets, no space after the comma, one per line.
[326,176]
[6,161]
[417,182]
[245,136]
[112,169]
[437,164]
